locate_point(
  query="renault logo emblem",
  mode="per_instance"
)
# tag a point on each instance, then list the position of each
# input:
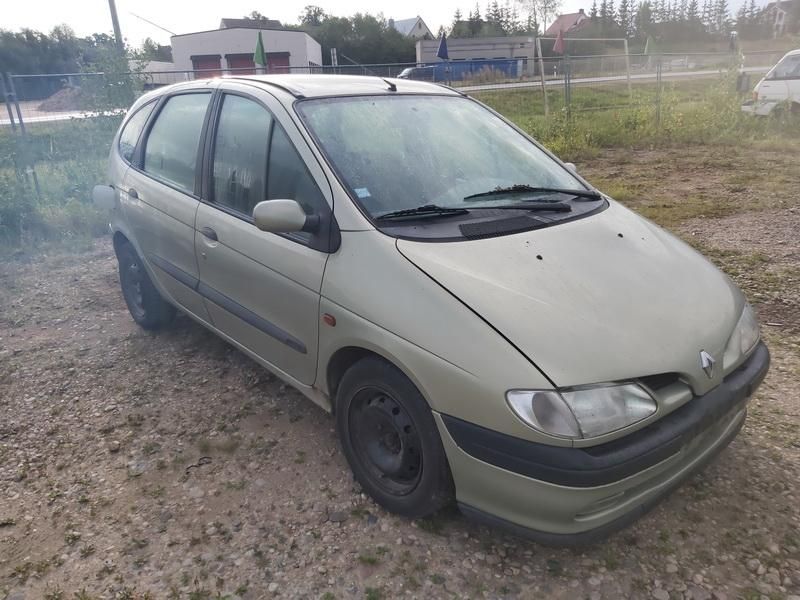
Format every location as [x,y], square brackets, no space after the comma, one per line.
[707,363]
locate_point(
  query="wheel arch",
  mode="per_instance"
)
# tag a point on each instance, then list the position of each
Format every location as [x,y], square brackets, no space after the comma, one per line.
[118,239]
[347,356]
[338,364]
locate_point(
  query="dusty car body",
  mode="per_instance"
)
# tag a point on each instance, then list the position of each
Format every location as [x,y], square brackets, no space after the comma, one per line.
[528,347]
[780,87]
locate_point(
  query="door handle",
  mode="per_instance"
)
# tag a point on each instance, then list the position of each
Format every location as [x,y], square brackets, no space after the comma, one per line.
[210,234]
[132,193]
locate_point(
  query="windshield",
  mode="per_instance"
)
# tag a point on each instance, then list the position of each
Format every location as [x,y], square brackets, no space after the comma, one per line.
[788,68]
[398,152]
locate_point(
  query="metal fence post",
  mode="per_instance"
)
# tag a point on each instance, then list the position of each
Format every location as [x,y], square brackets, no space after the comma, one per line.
[541,75]
[29,169]
[658,92]
[567,69]
[7,100]
[628,70]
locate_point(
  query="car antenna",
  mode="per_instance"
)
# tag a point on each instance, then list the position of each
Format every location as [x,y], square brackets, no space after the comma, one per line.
[392,87]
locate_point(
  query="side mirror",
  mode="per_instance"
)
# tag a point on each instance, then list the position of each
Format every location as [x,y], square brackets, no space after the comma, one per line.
[104,197]
[571,167]
[283,216]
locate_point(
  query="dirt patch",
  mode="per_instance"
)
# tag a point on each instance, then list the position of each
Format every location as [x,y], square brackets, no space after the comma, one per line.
[106,491]
[68,98]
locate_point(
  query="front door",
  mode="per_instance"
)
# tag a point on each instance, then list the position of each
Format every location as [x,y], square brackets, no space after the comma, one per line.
[261,289]
[162,201]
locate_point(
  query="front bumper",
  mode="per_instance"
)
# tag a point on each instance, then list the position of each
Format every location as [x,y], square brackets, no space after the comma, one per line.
[567,496]
[761,107]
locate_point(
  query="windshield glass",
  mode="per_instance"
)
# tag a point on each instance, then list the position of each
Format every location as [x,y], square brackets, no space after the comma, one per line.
[788,68]
[401,151]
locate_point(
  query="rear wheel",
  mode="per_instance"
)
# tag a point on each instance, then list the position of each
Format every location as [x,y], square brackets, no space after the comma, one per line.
[390,439]
[147,307]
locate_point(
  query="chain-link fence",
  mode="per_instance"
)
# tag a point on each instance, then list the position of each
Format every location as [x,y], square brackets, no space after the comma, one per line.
[55,130]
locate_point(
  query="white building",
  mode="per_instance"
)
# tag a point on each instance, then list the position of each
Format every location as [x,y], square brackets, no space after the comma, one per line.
[230,49]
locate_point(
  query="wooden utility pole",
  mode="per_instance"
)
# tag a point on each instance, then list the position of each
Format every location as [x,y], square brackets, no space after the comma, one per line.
[115,22]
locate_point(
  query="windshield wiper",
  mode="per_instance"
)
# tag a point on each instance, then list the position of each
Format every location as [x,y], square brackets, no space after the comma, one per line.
[426,210]
[522,188]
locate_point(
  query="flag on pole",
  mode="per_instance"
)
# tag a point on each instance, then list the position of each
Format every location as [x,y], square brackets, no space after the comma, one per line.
[559,46]
[442,53]
[259,56]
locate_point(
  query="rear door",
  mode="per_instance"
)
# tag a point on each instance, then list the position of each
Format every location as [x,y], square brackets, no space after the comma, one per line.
[162,188]
[262,289]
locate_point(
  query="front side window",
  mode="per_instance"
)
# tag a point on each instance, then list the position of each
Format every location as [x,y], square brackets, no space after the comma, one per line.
[405,151]
[788,68]
[288,177]
[132,130]
[171,150]
[254,160]
[240,154]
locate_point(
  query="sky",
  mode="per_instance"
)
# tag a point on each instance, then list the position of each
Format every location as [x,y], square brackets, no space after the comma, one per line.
[180,16]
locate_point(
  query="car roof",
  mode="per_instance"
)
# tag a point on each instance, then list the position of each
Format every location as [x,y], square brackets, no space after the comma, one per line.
[317,86]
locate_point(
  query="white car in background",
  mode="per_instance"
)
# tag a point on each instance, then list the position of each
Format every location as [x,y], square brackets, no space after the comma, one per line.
[781,85]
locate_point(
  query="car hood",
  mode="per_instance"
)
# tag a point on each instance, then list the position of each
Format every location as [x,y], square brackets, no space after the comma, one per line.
[603,298]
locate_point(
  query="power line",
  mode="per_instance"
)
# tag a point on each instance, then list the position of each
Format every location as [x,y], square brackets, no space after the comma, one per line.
[153,24]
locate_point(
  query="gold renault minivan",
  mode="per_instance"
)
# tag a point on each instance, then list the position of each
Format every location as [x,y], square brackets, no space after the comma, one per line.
[485,326]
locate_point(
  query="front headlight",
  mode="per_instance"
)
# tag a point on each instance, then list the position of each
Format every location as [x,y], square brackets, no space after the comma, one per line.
[582,413]
[743,339]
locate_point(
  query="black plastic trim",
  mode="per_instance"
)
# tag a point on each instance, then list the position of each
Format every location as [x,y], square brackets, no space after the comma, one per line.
[174,272]
[610,462]
[251,318]
[233,307]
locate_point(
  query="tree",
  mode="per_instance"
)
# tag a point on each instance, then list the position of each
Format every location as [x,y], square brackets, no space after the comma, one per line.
[312,16]
[624,17]
[693,12]
[255,16]
[542,11]
[644,20]
[150,50]
[593,11]
[362,38]
[457,17]
[722,21]
[475,21]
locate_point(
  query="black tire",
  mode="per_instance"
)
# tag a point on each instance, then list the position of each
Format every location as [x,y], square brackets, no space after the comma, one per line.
[390,439]
[147,307]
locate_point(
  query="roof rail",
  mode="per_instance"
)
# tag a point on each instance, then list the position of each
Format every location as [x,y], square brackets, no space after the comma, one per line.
[286,88]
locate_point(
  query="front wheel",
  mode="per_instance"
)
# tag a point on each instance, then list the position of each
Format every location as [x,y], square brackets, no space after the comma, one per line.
[390,440]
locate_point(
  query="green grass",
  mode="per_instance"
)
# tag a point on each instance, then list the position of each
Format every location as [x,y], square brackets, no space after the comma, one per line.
[67,158]
[703,111]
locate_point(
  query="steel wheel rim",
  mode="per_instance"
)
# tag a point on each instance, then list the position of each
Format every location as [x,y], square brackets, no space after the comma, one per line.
[132,276]
[386,441]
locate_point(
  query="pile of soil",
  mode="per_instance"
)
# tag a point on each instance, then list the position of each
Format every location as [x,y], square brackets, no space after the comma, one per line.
[68,98]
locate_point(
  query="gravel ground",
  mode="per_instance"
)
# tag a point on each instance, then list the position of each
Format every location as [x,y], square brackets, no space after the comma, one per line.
[171,466]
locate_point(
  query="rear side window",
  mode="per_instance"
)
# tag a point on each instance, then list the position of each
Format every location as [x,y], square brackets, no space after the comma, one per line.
[240,154]
[132,130]
[171,150]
